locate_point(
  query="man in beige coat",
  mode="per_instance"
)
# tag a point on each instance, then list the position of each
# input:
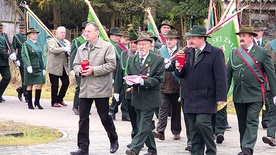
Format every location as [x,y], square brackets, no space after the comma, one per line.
[59,51]
[96,85]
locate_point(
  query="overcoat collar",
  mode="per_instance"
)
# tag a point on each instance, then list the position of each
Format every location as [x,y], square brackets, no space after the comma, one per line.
[191,52]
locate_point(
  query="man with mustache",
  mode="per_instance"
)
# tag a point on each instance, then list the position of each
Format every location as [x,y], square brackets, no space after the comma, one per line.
[204,87]
[247,65]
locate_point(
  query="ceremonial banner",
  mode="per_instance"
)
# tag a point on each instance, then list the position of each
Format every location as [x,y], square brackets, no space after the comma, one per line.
[32,21]
[226,39]
[92,17]
[151,24]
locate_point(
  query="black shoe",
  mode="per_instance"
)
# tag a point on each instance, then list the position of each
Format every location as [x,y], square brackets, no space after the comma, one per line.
[265,126]
[79,152]
[2,99]
[76,111]
[128,145]
[112,116]
[246,151]
[126,119]
[220,138]
[188,148]
[228,127]
[114,147]
[19,93]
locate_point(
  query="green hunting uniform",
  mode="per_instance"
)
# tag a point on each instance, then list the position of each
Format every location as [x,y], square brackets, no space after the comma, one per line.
[32,58]
[113,108]
[247,95]
[18,40]
[145,99]
[76,43]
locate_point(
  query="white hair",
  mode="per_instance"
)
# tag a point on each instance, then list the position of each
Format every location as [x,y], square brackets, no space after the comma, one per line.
[61,28]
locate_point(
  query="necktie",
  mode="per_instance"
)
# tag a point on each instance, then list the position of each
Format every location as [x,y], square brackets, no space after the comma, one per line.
[141,61]
[196,54]
[91,47]
[259,43]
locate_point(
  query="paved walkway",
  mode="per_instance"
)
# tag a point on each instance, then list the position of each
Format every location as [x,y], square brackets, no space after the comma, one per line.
[64,119]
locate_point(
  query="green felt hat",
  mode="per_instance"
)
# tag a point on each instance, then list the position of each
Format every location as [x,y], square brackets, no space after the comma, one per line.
[132,35]
[143,36]
[33,30]
[258,26]
[172,34]
[165,22]
[247,29]
[115,31]
[197,31]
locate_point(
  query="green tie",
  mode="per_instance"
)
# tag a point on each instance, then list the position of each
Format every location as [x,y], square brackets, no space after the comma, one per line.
[196,54]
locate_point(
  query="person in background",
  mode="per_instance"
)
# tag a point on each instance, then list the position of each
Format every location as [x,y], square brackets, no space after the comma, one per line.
[271,128]
[121,46]
[6,52]
[34,69]
[164,28]
[96,85]
[17,41]
[169,90]
[76,43]
[58,67]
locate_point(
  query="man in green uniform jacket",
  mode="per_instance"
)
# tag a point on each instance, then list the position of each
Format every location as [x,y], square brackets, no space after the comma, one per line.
[76,43]
[247,65]
[5,46]
[17,41]
[146,94]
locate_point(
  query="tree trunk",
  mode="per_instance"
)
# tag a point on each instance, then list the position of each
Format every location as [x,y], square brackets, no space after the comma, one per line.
[56,14]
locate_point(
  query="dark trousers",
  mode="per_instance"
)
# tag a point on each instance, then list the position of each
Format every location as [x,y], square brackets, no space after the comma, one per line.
[133,117]
[57,96]
[102,109]
[167,100]
[248,120]
[144,135]
[201,134]
[271,130]
[6,77]
[189,142]
[265,115]
[113,108]
[77,93]
[21,70]
[220,121]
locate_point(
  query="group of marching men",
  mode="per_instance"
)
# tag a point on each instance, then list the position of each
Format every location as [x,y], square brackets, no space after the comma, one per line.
[162,85]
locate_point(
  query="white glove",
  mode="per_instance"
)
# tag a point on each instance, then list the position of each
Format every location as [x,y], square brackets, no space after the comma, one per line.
[13,56]
[274,100]
[44,72]
[167,63]
[17,63]
[129,83]
[30,69]
[141,81]
[67,49]
[72,72]
[116,96]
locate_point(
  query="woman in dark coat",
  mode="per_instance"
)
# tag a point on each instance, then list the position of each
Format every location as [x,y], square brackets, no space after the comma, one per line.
[34,70]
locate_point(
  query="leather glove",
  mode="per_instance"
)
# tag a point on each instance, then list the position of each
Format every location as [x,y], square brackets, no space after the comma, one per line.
[129,83]
[167,63]
[67,49]
[17,63]
[274,100]
[44,72]
[30,69]
[72,72]
[116,97]
[141,81]
[13,56]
